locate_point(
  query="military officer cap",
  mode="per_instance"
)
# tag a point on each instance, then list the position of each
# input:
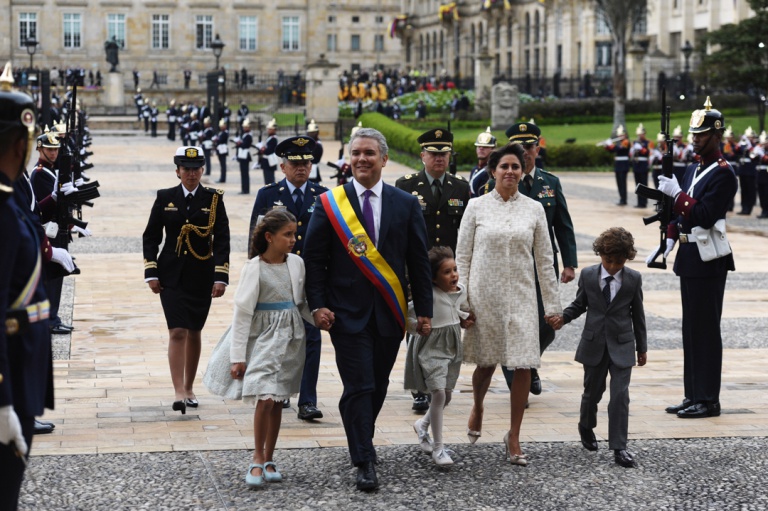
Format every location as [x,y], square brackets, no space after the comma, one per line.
[436,141]
[295,148]
[706,119]
[312,127]
[48,139]
[190,157]
[523,133]
[486,139]
[17,110]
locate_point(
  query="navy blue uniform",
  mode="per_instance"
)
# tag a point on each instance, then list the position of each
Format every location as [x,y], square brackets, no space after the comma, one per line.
[246,141]
[222,151]
[620,167]
[269,148]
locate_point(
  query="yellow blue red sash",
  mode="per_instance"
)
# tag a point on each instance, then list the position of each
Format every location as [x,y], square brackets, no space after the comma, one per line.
[363,252]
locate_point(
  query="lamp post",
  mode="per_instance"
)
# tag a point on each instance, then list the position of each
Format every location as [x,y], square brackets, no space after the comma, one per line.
[31,44]
[687,50]
[217,45]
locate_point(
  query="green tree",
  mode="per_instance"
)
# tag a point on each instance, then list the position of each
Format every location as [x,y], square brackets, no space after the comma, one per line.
[736,57]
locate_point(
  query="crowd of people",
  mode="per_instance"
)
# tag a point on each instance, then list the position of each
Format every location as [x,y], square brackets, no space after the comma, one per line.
[369,262]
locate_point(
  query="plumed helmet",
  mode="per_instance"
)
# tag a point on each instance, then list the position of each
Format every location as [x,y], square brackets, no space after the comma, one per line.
[48,139]
[706,119]
[640,129]
[486,139]
[355,128]
[272,124]
[661,137]
[620,131]
[312,127]
[17,110]
[677,132]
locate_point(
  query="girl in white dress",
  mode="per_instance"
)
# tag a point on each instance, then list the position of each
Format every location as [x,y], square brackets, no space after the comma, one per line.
[433,361]
[261,356]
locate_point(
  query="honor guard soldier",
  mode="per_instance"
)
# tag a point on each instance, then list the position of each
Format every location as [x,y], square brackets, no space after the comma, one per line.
[154,112]
[222,148]
[679,154]
[761,159]
[700,203]
[195,129]
[747,172]
[619,146]
[654,159]
[484,145]
[242,115]
[313,132]
[191,268]
[266,150]
[26,366]
[295,193]
[545,188]
[639,155]
[731,152]
[225,114]
[172,114]
[138,100]
[206,140]
[244,144]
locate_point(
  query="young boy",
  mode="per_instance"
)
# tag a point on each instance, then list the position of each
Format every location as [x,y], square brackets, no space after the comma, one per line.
[612,296]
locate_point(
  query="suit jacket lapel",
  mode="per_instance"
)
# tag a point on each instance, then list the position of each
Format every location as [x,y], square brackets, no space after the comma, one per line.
[354,201]
[287,199]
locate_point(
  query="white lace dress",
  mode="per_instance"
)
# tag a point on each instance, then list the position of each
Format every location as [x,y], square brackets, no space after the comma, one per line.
[499,243]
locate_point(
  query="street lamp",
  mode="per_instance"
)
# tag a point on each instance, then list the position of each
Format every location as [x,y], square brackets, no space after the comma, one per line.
[687,50]
[31,44]
[217,45]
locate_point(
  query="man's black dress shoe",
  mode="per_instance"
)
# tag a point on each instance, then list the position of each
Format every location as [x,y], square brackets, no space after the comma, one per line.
[535,382]
[700,410]
[60,330]
[744,213]
[682,406]
[420,403]
[588,439]
[624,458]
[366,477]
[621,203]
[309,412]
[43,427]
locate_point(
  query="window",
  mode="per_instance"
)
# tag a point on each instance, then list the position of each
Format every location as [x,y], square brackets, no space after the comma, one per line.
[603,54]
[379,20]
[161,31]
[116,28]
[248,33]
[27,27]
[378,42]
[354,44]
[509,32]
[72,30]
[331,19]
[527,28]
[203,31]
[290,33]
[497,35]
[332,46]
[641,24]
[601,27]
[355,19]
[536,28]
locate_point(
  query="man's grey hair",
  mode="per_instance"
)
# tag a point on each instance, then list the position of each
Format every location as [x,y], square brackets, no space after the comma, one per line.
[374,134]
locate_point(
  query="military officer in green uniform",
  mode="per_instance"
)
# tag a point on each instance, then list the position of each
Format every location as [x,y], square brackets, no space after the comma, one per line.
[443,198]
[544,187]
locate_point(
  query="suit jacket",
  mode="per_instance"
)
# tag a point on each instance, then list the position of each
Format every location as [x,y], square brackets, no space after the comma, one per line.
[169,214]
[278,196]
[442,217]
[709,203]
[335,282]
[613,327]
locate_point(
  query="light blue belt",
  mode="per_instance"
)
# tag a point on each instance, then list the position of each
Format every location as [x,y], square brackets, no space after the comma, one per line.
[274,306]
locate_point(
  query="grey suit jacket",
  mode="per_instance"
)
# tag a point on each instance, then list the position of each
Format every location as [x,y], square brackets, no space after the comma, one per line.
[613,327]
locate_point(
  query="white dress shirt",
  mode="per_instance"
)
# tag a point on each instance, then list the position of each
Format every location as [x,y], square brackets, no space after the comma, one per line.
[375,201]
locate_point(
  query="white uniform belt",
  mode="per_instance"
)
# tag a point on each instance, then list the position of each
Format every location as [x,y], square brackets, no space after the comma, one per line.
[621,158]
[642,158]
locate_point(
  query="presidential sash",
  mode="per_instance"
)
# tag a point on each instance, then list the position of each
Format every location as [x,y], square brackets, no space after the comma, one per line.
[362,251]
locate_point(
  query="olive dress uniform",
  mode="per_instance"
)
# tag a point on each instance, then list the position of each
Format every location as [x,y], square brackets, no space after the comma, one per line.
[194,256]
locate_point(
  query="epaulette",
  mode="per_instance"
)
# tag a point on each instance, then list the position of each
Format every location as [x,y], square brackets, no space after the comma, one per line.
[215,190]
[408,176]
[722,162]
[459,177]
[270,185]
[544,171]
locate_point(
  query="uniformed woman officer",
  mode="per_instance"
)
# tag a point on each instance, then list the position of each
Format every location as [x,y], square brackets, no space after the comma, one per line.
[192,267]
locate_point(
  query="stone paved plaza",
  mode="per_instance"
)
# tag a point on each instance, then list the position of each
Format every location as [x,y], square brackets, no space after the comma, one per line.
[118,446]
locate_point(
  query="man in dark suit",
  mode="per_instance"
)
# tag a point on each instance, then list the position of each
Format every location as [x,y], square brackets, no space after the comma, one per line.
[192,267]
[26,367]
[295,194]
[701,200]
[544,187]
[443,199]
[361,239]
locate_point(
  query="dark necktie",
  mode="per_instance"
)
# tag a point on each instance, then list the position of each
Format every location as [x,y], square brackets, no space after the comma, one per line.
[528,180]
[370,225]
[437,189]
[607,290]
[189,200]
[298,199]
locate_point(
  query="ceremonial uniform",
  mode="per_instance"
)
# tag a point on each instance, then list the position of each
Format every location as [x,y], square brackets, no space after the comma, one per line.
[206,140]
[194,256]
[747,173]
[267,149]
[244,157]
[761,159]
[679,154]
[620,152]
[639,155]
[222,149]
[484,144]
[732,154]
[172,115]
[317,152]
[242,115]
[153,113]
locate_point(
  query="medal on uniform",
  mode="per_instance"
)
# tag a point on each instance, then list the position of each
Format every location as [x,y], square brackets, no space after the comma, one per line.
[279,205]
[358,244]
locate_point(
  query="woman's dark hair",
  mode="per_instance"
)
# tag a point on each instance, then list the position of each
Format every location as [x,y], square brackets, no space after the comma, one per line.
[272,222]
[615,241]
[436,257]
[498,154]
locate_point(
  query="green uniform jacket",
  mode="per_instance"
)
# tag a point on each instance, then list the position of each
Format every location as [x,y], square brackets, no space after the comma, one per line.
[547,190]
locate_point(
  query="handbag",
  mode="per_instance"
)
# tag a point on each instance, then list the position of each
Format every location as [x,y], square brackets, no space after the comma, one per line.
[712,243]
[273,160]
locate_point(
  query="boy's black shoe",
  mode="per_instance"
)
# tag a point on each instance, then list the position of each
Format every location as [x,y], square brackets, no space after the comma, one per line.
[588,439]
[624,458]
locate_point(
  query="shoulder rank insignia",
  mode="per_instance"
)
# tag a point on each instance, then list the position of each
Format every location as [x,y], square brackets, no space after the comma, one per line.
[414,193]
[408,176]
[459,177]
[722,162]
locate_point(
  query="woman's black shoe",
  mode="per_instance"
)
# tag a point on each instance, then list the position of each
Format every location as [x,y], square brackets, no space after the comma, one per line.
[180,406]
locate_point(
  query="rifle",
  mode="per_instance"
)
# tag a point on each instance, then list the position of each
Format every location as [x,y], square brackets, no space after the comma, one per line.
[664,203]
[452,164]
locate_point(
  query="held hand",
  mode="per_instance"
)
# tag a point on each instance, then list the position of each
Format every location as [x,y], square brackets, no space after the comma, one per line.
[469,322]
[61,256]
[568,275]
[555,321]
[155,286]
[236,371]
[218,290]
[669,186]
[642,358]
[424,326]
[324,318]
[10,430]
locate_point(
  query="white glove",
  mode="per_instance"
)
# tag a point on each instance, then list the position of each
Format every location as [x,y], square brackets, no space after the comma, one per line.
[79,181]
[81,230]
[62,257]
[670,246]
[10,429]
[68,188]
[669,186]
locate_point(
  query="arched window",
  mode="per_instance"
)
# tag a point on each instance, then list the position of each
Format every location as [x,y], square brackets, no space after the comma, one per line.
[497,35]
[429,46]
[481,40]
[527,28]
[421,48]
[442,44]
[536,27]
[509,31]
[472,41]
